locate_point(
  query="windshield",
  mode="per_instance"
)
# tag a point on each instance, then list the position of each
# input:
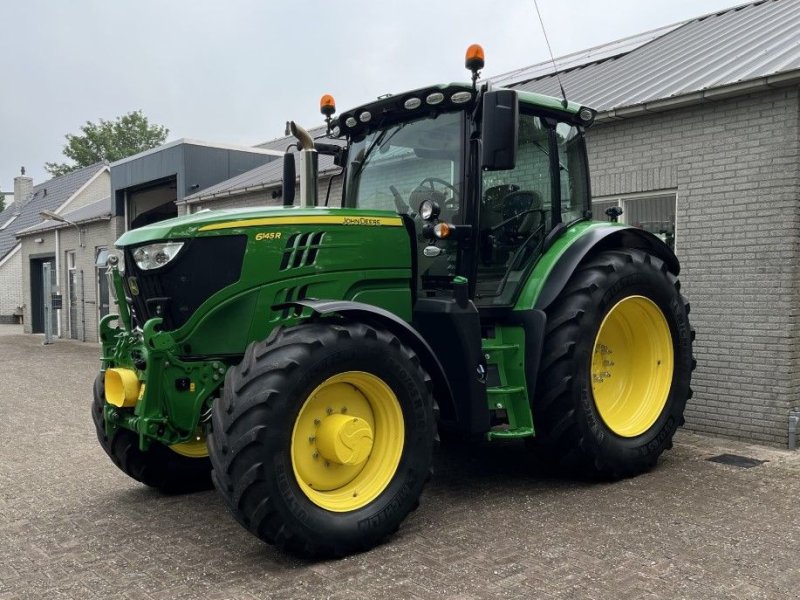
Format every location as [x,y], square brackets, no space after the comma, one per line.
[399,167]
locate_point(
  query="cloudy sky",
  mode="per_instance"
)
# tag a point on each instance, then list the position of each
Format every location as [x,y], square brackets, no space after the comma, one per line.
[234,71]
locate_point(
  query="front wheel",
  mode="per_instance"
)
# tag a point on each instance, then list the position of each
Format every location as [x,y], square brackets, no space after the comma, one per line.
[616,366]
[323,439]
[175,469]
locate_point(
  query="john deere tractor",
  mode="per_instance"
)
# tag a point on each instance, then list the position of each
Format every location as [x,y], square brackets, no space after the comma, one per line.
[304,358]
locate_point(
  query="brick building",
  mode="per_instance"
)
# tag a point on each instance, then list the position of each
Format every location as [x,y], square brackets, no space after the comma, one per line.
[81,241]
[698,140]
[69,192]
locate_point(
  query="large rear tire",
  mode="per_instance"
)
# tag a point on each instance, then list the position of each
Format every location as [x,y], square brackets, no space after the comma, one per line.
[616,367]
[175,470]
[323,439]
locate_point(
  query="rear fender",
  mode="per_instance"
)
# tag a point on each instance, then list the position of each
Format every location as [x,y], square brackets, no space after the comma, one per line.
[596,240]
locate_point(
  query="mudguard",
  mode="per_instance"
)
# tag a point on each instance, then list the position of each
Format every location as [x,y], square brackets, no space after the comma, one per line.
[597,240]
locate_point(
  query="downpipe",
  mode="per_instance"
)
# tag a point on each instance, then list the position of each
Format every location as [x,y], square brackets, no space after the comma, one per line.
[794,423]
[309,165]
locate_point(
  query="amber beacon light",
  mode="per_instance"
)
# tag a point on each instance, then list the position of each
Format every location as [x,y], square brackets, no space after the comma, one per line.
[327,105]
[474,60]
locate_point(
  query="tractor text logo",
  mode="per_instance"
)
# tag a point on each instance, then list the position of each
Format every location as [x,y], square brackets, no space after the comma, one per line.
[268,235]
[360,221]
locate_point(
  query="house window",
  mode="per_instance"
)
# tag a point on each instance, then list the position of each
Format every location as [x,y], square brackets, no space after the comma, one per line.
[653,212]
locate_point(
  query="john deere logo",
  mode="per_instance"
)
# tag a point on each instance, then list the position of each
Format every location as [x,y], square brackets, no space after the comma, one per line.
[268,235]
[133,286]
[360,221]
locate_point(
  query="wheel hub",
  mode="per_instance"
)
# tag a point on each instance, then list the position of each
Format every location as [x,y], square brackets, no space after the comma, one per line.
[632,366]
[347,441]
[344,440]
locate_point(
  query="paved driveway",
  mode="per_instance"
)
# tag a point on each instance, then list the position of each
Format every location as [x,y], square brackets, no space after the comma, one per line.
[73,526]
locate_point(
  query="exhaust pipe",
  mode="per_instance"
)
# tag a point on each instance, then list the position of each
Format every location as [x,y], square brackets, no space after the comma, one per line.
[309,165]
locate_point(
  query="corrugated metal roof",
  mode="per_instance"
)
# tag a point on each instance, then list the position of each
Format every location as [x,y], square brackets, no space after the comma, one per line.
[95,211]
[740,44]
[582,57]
[46,196]
[268,175]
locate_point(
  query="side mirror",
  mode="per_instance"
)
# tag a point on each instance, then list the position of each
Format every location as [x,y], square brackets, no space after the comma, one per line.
[500,127]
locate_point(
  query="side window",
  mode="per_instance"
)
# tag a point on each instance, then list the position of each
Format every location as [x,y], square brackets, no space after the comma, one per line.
[572,172]
[514,212]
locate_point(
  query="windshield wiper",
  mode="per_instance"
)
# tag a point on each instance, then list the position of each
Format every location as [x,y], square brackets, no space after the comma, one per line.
[376,143]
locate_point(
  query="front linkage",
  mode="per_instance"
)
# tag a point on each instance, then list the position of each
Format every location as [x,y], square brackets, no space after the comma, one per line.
[149,389]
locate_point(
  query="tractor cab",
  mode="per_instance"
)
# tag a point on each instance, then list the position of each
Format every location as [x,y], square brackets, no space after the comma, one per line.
[487,177]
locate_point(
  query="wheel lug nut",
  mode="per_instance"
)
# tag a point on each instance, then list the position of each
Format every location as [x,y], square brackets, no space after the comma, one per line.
[329,410]
[312,439]
[316,421]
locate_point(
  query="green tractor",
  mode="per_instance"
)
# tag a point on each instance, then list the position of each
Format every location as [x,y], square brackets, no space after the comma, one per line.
[304,359]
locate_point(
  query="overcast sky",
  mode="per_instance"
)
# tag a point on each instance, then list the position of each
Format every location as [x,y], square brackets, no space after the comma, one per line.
[234,71]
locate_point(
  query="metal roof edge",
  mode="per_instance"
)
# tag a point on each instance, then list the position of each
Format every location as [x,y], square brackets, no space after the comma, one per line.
[193,142]
[739,88]
[200,197]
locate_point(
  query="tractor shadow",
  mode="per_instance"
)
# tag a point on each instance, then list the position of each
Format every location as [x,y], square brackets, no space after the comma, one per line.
[510,462]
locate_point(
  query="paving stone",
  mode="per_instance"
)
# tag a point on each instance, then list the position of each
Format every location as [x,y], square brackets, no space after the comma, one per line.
[489,525]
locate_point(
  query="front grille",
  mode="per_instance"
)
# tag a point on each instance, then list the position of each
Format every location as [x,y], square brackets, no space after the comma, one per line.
[174,292]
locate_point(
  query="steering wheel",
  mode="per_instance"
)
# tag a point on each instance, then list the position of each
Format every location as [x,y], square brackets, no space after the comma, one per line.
[432,180]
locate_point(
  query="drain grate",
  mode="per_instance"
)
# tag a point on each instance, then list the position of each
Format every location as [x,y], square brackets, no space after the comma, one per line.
[745,462]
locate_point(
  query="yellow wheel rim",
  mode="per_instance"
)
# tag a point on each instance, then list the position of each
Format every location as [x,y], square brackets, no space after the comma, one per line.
[632,366]
[195,448]
[347,441]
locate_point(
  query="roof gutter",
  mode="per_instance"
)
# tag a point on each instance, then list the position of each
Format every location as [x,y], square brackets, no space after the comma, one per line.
[785,79]
[28,231]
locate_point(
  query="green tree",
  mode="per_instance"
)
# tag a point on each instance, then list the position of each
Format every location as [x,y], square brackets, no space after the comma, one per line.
[109,140]
[2,202]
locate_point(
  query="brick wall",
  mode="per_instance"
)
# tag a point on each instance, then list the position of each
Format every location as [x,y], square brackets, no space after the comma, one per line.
[734,164]
[94,235]
[10,290]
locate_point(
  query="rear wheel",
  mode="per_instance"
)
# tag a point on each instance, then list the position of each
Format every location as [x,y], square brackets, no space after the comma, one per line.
[323,439]
[616,366]
[172,469]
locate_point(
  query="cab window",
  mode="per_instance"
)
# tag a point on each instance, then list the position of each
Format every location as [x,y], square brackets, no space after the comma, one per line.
[514,213]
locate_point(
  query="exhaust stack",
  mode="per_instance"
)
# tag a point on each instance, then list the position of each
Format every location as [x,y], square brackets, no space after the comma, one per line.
[309,165]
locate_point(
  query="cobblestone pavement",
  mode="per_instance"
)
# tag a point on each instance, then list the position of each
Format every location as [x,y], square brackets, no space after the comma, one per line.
[73,526]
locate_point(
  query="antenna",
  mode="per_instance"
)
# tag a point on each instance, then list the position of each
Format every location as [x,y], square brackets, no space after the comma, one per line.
[549,49]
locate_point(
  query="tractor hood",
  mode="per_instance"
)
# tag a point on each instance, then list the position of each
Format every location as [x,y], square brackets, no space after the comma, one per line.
[237,221]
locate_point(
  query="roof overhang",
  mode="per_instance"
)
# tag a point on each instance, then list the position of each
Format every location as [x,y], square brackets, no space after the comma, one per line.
[740,88]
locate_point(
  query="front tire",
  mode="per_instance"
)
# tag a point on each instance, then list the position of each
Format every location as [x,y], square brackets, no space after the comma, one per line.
[323,439]
[179,469]
[616,367]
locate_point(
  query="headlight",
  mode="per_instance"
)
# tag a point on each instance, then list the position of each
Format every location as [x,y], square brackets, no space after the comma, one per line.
[428,210]
[154,256]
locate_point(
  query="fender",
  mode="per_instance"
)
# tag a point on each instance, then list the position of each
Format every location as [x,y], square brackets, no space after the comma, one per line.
[597,240]
[373,315]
